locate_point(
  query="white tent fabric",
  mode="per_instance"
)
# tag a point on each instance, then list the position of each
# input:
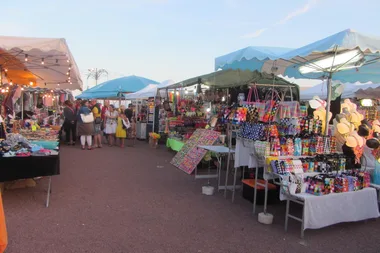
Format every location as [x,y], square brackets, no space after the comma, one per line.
[148,91]
[45,61]
[349,90]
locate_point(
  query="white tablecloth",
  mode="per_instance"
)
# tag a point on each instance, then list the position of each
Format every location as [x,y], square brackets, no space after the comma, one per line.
[323,211]
[242,155]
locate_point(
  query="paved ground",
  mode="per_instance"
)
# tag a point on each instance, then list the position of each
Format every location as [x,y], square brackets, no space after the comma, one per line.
[114,200]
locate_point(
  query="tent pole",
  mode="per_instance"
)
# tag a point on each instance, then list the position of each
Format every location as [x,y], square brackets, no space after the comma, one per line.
[328,103]
[22,105]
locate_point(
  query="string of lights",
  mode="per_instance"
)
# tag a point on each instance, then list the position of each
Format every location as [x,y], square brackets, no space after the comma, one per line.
[16,60]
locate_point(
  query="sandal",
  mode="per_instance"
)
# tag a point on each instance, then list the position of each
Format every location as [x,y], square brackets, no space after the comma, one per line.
[89,148]
[83,147]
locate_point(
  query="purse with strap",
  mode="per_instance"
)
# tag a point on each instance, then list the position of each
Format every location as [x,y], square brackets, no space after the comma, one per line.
[87,118]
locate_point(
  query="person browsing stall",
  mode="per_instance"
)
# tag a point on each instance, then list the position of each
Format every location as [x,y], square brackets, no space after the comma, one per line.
[70,122]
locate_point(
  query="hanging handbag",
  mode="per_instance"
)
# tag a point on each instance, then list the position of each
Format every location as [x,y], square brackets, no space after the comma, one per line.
[289,109]
[126,124]
[254,114]
[272,99]
[87,118]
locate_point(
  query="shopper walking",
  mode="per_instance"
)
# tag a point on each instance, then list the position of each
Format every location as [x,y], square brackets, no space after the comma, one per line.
[111,123]
[85,129]
[97,123]
[70,122]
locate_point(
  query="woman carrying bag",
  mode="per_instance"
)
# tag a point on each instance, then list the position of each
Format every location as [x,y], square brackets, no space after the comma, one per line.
[85,125]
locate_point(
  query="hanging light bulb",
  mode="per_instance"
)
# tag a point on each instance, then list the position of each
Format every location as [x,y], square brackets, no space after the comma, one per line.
[42,61]
[26,57]
[22,88]
[68,73]
[31,83]
[58,84]
[69,78]
[70,67]
[2,90]
[6,70]
[68,60]
[11,83]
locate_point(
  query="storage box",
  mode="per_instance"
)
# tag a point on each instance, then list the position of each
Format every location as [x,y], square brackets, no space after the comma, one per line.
[248,191]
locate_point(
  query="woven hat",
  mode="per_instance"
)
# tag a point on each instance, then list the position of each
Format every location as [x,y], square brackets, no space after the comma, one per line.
[316,102]
[344,127]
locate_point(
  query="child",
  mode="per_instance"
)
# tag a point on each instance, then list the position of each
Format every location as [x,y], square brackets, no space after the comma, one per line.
[121,131]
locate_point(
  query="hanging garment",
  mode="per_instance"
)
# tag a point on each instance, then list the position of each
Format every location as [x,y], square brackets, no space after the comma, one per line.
[48,101]
[62,98]
[27,101]
[16,95]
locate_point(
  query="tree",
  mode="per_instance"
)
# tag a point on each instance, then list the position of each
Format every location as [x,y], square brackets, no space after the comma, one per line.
[96,74]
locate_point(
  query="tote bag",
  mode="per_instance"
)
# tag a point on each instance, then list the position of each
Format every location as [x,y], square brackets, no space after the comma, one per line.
[87,118]
[259,112]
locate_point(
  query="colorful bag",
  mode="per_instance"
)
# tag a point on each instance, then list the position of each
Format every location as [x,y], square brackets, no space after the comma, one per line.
[340,184]
[262,148]
[272,99]
[260,106]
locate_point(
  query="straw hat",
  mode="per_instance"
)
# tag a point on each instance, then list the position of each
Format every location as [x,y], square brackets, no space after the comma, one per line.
[316,102]
[344,127]
[354,140]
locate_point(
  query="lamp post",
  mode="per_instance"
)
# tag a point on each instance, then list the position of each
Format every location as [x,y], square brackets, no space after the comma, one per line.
[96,74]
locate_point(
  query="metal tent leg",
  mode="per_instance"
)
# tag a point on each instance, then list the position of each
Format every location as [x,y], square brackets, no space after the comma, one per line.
[48,193]
[287,215]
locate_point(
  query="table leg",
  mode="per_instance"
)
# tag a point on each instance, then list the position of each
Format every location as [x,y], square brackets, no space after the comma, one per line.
[219,169]
[227,172]
[234,186]
[287,214]
[48,193]
[266,196]
[303,220]
[255,190]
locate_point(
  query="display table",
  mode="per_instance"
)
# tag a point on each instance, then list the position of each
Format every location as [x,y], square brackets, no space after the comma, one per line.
[14,168]
[326,210]
[219,152]
[174,144]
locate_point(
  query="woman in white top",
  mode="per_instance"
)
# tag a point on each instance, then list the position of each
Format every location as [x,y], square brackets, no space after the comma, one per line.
[111,124]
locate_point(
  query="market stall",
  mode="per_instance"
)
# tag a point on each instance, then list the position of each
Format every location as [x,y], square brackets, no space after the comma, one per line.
[290,147]
[36,75]
[208,99]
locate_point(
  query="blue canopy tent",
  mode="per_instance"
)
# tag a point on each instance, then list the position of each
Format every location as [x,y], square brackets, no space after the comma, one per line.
[249,58]
[347,56]
[113,89]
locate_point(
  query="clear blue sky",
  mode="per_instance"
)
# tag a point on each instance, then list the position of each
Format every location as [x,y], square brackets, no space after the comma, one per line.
[178,39]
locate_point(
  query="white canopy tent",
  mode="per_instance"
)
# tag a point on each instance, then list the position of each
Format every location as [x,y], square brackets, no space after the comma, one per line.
[349,90]
[149,91]
[39,62]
